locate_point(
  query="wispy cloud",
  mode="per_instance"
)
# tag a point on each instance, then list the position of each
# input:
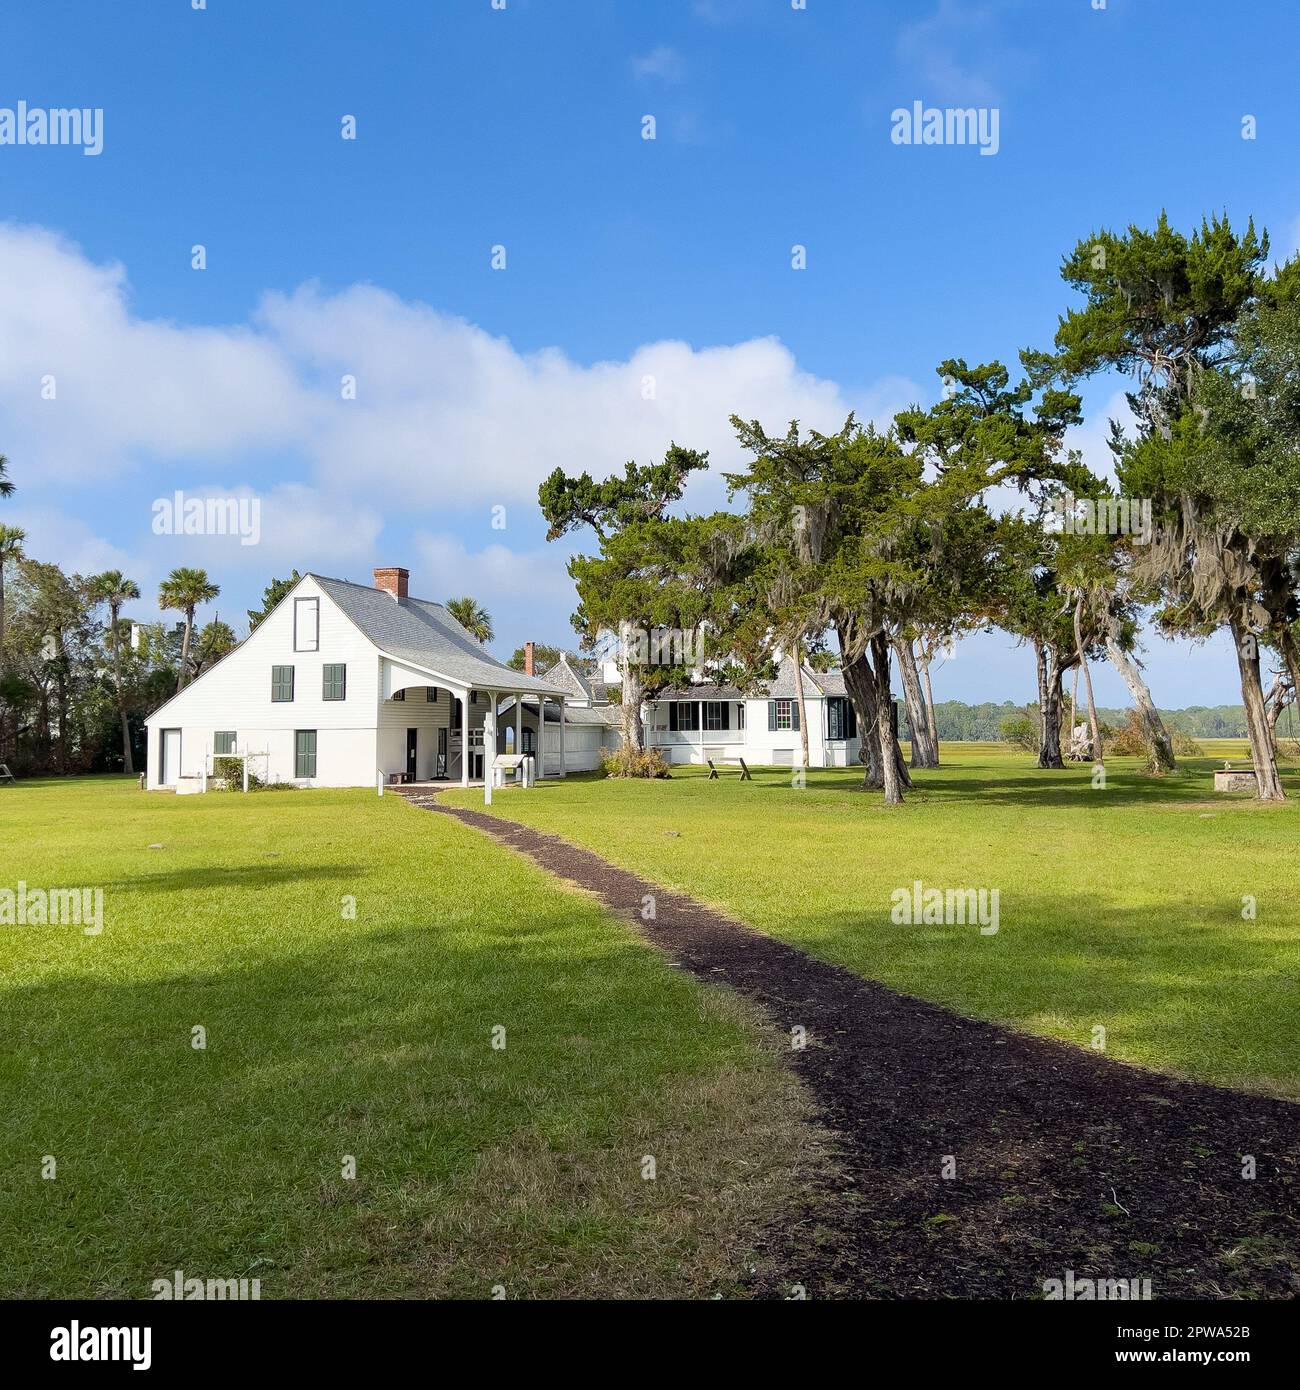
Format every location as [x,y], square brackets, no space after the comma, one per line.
[956,54]
[663,64]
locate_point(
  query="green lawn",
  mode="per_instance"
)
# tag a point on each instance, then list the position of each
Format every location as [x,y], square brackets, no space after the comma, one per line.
[1119,906]
[370,1036]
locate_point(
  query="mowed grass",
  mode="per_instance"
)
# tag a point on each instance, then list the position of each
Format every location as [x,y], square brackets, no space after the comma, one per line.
[1120,907]
[371,1036]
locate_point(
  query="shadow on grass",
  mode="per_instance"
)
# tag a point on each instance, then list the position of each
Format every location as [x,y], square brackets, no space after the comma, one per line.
[227,1160]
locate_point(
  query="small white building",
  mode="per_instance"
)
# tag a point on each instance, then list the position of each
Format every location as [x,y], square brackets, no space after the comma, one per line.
[347,685]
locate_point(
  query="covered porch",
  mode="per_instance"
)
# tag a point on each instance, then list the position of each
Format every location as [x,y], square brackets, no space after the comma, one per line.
[436,730]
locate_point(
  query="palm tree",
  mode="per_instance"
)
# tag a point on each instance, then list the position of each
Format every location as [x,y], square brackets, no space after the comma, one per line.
[184,589]
[11,548]
[114,588]
[472,616]
[6,487]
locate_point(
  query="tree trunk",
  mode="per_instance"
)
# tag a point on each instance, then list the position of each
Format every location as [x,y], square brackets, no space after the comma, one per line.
[923,751]
[1098,753]
[1159,744]
[128,764]
[1051,697]
[929,710]
[857,682]
[890,755]
[1074,703]
[633,692]
[185,650]
[1268,783]
[803,710]
[860,683]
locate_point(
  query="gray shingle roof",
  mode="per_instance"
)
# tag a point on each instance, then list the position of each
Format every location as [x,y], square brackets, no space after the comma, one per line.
[426,635]
[571,681]
[815,685]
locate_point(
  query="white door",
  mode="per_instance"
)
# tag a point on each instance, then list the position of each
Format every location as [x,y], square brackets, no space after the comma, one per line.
[171,757]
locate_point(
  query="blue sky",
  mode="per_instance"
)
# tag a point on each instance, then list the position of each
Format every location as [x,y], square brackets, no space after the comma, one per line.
[625,258]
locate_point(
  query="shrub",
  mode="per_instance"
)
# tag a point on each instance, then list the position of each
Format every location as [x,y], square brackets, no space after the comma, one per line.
[625,763]
[1128,741]
[1020,729]
[1185,746]
[228,775]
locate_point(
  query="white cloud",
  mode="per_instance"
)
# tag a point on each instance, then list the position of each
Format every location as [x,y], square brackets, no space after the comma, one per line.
[446,415]
[951,54]
[123,386]
[663,63]
[52,534]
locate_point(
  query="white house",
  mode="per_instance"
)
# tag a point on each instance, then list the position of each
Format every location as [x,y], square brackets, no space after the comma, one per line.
[707,720]
[345,685]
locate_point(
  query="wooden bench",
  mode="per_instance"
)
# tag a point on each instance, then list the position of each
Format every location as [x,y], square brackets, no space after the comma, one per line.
[728,762]
[6,775]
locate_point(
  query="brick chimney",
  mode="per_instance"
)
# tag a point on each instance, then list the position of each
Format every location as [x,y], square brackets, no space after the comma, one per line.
[530,657]
[392,581]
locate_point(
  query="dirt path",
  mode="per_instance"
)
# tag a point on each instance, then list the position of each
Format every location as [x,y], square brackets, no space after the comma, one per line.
[1063,1160]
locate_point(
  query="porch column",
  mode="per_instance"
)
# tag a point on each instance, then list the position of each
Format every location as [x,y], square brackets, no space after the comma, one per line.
[464,739]
[541,736]
[564,770]
[489,745]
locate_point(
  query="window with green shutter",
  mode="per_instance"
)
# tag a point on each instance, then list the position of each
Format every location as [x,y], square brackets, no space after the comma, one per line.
[335,681]
[223,741]
[305,753]
[782,715]
[281,683]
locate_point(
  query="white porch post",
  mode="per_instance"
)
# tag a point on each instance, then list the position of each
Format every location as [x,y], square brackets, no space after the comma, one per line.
[489,746]
[541,736]
[464,739]
[564,769]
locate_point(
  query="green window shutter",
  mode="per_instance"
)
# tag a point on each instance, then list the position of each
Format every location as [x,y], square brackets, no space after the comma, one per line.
[431,694]
[726,714]
[794,715]
[771,714]
[305,753]
[673,721]
[335,681]
[281,683]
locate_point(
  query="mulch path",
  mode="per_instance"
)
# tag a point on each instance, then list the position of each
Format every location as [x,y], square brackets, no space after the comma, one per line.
[1064,1160]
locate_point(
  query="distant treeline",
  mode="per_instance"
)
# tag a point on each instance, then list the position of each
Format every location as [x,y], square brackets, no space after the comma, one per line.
[958,721]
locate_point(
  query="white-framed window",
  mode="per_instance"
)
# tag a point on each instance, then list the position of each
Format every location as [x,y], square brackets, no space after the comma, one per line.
[306,624]
[715,714]
[223,741]
[784,720]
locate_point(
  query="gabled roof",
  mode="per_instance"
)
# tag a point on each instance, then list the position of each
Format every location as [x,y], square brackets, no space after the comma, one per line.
[424,634]
[572,682]
[816,684]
